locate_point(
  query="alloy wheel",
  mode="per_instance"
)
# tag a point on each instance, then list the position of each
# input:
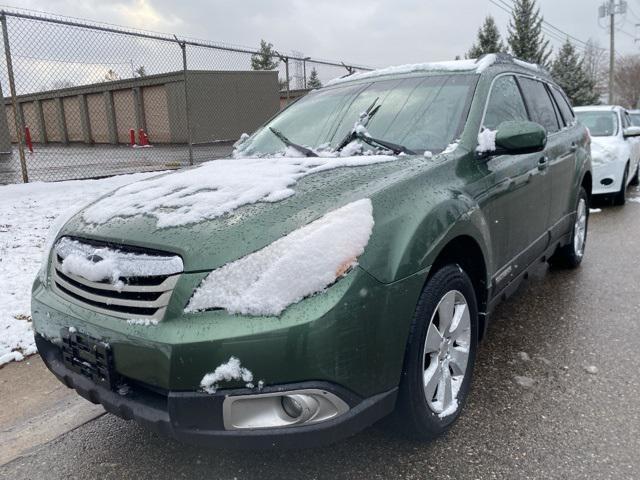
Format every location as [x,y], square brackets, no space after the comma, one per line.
[446,353]
[580,228]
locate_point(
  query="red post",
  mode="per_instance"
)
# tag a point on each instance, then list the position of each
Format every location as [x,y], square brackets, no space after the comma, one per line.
[27,139]
[142,137]
[132,137]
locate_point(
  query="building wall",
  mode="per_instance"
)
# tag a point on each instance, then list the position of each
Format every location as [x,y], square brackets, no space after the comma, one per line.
[71,106]
[155,105]
[51,121]
[99,124]
[222,106]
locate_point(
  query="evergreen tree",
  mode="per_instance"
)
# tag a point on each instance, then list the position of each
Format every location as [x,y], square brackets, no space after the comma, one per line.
[314,80]
[266,58]
[489,40]
[568,70]
[526,39]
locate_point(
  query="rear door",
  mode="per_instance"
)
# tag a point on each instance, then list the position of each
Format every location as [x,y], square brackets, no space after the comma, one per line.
[563,165]
[516,206]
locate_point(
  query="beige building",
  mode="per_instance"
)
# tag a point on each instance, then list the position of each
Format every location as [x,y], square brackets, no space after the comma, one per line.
[222,105]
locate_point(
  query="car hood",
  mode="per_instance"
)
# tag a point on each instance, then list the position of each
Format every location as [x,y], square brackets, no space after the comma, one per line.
[608,149]
[214,240]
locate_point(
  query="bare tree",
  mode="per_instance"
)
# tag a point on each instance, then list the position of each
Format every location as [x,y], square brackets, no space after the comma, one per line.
[594,62]
[111,76]
[627,80]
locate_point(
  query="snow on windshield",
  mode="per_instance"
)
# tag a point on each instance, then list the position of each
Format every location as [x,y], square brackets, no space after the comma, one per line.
[298,265]
[215,188]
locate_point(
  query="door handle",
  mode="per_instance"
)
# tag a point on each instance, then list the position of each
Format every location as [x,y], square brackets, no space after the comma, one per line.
[543,163]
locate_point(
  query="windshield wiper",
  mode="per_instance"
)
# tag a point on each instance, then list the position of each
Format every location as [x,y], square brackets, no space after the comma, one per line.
[394,147]
[364,119]
[307,151]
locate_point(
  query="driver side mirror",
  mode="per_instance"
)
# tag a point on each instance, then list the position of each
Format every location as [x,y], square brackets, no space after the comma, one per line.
[520,137]
[631,132]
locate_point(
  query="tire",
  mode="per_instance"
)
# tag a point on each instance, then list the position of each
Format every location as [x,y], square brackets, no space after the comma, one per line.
[635,181]
[571,255]
[620,198]
[418,414]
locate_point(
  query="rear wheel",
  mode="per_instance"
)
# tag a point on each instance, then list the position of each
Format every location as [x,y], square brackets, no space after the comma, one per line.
[620,198]
[571,254]
[440,355]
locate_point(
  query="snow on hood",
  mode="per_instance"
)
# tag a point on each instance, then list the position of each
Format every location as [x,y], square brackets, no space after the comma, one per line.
[215,188]
[298,265]
[608,149]
[477,66]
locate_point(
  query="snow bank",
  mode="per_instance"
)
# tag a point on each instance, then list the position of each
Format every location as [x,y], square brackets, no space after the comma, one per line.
[486,141]
[231,370]
[296,266]
[215,188]
[477,66]
[27,212]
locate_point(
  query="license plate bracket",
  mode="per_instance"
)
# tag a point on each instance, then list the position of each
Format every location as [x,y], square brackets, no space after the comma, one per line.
[89,357]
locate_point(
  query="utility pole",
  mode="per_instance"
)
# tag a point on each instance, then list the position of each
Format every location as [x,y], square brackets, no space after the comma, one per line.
[611,9]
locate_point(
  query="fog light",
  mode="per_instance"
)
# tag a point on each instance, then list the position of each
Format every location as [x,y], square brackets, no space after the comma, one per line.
[606,181]
[291,406]
[281,409]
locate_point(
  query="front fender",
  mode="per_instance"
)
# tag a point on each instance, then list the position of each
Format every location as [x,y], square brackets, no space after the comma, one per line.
[405,244]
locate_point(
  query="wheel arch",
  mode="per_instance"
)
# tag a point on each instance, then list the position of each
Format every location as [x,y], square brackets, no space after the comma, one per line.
[465,251]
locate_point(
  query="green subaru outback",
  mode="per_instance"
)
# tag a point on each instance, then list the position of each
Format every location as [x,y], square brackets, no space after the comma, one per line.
[341,266]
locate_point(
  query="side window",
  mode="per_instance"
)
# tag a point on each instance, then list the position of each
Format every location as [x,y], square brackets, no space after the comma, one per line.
[625,120]
[539,104]
[505,103]
[565,108]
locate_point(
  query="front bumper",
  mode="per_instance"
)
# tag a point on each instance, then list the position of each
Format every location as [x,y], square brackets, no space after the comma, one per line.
[197,418]
[607,177]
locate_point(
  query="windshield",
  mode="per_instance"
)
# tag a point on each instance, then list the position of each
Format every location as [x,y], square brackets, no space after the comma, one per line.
[599,123]
[635,119]
[419,113]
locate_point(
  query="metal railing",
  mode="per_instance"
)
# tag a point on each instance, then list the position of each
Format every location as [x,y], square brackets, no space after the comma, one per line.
[85,100]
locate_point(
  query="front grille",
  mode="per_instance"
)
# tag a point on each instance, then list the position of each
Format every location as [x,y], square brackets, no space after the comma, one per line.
[142,291]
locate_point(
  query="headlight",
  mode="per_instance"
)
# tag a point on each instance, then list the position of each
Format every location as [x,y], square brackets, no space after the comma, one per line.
[298,265]
[57,225]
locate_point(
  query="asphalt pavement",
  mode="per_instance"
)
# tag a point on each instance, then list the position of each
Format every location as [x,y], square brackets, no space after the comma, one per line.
[556,394]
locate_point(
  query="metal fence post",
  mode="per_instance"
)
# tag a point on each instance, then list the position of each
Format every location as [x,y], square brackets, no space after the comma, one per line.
[187,113]
[14,101]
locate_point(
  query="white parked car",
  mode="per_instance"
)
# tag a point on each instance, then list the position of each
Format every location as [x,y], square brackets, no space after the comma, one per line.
[615,149]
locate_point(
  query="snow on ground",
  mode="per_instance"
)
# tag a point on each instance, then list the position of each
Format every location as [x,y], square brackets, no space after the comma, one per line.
[293,267]
[26,213]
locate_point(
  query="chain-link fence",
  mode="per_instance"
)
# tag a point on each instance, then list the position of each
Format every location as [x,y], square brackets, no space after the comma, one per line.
[85,100]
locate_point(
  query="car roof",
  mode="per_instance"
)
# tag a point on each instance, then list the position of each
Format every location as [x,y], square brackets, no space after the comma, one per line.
[488,62]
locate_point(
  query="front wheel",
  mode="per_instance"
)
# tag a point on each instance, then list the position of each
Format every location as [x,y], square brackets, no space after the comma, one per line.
[620,198]
[571,254]
[440,355]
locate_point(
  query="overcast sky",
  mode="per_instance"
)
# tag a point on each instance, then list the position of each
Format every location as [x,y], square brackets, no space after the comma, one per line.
[370,32]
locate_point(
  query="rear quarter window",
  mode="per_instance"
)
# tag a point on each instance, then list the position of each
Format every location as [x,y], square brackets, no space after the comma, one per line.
[565,108]
[539,102]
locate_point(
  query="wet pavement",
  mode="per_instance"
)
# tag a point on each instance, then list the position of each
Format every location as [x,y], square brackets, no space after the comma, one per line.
[555,395]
